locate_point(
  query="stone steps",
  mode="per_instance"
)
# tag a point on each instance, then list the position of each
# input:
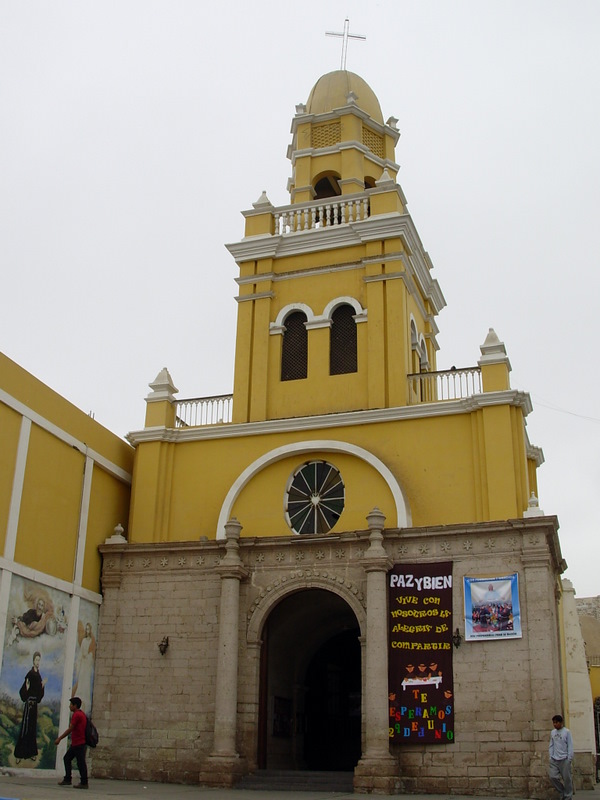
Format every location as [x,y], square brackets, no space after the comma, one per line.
[297,781]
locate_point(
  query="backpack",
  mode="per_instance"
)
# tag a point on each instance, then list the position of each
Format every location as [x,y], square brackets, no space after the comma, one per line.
[91,733]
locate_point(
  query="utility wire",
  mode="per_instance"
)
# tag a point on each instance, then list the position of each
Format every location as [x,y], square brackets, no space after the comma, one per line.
[564,411]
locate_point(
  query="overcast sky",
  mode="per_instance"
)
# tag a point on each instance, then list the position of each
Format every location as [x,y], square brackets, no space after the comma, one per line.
[134,132]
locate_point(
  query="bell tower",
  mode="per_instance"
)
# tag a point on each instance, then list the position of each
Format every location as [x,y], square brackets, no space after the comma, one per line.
[340,144]
[337,304]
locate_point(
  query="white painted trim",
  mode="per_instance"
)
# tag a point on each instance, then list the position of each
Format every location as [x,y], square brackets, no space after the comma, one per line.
[14,568]
[86,491]
[243,298]
[64,436]
[5,582]
[381,226]
[67,685]
[341,301]
[445,408]
[327,446]
[10,541]
[279,321]
[386,276]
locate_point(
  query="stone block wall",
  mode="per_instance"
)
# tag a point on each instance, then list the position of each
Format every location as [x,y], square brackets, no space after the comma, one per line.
[155,713]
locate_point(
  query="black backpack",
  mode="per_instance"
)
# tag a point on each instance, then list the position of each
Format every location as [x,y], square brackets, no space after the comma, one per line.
[91,733]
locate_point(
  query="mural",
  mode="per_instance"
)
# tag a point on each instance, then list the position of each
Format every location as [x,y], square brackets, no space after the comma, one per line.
[32,674]
[85,657]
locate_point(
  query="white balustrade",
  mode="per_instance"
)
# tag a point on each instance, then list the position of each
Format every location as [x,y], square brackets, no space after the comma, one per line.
[199,411]
[451,384]
[320,214]
[424,387]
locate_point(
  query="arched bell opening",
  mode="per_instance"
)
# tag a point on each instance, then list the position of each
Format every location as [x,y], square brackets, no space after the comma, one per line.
[327,186]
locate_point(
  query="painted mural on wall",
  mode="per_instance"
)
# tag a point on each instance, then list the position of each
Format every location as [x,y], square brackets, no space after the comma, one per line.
[492,608]
[32,674]
[85,656]
[421,681]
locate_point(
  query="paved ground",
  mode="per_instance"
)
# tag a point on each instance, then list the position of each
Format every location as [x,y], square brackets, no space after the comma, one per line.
[28,788]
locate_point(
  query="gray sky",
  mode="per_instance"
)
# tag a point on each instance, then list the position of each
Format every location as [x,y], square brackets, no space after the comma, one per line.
[134,132]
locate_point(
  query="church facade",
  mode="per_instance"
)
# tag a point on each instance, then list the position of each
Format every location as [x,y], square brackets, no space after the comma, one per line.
[342,566]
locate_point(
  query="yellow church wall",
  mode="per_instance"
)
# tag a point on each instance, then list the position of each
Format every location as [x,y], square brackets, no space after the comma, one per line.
[109,506]
[243,362]
[61,447]
[148,490]
[502,474]
[54,408]
[386,203]
[51,500]
[453,469]
[322,258]
[268,518]
[312,395]
[532,477]
[10,426]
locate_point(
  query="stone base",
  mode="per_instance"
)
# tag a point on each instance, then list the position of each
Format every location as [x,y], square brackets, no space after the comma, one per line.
[584,771]
[377,776]
[222,771]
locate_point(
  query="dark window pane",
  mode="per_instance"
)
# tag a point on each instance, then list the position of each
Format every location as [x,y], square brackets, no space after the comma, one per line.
[294,351]
[342,343]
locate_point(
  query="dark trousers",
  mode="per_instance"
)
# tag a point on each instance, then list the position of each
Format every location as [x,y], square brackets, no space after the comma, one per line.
[78,752]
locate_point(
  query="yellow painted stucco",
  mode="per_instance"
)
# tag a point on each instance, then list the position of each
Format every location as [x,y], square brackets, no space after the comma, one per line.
[50,504]
[470,464]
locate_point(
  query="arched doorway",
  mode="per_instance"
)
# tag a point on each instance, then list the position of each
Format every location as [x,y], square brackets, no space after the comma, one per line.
[310,694]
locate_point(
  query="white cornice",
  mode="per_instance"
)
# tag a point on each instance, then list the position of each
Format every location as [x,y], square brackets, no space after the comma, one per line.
[383,226]
[510,397]
[243,298]
[64,436]
[337,113]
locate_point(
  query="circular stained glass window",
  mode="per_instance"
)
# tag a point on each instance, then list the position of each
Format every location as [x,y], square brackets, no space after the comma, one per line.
[314,498]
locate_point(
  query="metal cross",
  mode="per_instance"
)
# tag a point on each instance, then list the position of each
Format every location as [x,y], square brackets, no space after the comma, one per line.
[345,36]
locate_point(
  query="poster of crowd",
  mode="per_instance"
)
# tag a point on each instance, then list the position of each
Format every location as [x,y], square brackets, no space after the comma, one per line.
[421,688]
[492,609]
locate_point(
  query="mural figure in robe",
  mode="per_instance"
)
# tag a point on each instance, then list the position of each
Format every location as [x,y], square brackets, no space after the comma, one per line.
[31,692]
[84,666]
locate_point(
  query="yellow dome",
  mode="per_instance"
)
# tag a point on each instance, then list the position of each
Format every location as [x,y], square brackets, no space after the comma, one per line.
[331,91]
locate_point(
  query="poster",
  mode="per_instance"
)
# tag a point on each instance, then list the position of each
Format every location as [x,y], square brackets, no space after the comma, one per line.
[421,687]
[492,609]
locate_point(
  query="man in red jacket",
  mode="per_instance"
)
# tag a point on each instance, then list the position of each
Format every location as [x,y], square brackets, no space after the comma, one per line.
[77,749]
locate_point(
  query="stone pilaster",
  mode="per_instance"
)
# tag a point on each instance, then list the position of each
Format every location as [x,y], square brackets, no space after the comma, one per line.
[224,765]
[377,771]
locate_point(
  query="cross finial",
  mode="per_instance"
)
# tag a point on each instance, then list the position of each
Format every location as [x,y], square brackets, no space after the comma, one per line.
[345,35]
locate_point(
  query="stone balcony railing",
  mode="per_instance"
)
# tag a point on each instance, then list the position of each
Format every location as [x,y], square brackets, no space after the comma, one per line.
[198,411]
[423,387]
[449,384]
[321,213]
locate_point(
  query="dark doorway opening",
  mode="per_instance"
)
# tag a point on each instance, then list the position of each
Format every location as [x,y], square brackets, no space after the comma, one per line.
[310,688]
[333,694]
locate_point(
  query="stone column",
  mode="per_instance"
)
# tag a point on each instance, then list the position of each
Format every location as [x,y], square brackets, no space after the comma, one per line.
[377,771]
[224,764]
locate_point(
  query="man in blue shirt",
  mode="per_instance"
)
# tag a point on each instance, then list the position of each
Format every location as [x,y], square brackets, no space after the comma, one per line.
[561,755]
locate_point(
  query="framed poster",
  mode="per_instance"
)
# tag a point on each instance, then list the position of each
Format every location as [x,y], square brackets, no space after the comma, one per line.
[492,609]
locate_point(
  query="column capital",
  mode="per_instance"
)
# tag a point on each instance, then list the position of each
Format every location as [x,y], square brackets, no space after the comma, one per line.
[231,566]
[376,558]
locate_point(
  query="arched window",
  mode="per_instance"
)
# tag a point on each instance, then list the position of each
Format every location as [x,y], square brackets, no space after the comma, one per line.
[342,341]
[294,348]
